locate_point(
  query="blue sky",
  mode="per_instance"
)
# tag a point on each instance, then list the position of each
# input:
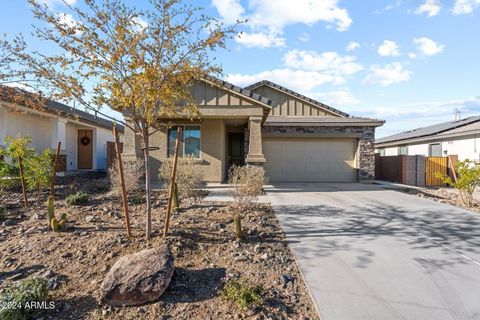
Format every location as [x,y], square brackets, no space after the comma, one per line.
[410,63]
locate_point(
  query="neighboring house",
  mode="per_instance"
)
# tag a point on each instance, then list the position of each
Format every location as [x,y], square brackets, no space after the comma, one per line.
[294,137]
[459,137]
[83,136]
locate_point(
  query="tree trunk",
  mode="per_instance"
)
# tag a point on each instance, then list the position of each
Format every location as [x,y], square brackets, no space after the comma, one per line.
[146,156]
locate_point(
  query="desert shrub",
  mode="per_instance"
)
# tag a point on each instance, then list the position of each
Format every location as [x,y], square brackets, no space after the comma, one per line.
[17,302]
[244,295]
[189,175]
[78,198]
[247,183]
[133,176]
[38,172]
[468,179]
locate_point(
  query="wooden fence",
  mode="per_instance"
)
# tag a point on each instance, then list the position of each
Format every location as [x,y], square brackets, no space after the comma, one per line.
[434,165]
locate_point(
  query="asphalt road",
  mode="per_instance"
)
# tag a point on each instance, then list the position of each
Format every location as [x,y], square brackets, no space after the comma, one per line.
[371,253]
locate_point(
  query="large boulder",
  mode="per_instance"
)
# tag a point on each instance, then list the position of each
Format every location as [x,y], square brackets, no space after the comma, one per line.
[138,278]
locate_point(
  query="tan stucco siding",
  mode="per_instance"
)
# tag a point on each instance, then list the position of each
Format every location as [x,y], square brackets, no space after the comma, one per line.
[212,150]
[205,94]
[286,105]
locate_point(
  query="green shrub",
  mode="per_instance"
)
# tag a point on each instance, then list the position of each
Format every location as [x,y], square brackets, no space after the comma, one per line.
[38,172]
[243,295]
[17,301]
[468,179]
[76,199]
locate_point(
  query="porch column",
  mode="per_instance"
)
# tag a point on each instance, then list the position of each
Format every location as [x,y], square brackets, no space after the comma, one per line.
[59,133]
[255,153]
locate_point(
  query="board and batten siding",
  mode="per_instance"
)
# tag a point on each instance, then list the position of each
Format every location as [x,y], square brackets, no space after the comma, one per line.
[208,95]
[287,105]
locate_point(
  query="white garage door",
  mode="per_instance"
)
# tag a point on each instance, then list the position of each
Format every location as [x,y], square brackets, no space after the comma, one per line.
[309,160]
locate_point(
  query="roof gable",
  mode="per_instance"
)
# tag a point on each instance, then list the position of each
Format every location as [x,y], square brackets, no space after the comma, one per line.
[286,102]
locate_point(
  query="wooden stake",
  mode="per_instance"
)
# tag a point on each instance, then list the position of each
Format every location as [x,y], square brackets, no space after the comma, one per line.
[54,173]
[22,180]
[450,163]
[172,184]
[122,182]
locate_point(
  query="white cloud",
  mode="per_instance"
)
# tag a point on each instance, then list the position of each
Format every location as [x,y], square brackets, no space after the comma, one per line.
[334,98]
[229,10]
[465,6]
[388,49]
[327,62]
[260,40]
[68,21]
[412,55]
[387,75]
[304,37]
[429,7]
[389,7]
[414,115]
[298,80]
[138,24]
[268,18]
[428,47]
[351,46]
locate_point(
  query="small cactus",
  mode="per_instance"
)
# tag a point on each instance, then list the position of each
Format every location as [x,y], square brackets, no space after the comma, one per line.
[238,226]
[54,223]
[176,202]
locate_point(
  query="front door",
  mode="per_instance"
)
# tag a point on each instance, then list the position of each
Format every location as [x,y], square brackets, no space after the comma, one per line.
[85,149]
[236,154]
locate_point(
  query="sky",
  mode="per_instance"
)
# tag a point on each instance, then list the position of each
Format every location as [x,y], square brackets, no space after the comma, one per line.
[409,62]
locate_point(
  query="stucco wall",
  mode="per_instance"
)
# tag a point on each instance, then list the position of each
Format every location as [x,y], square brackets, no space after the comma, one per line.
[39,128]
[465,148]
[212,150]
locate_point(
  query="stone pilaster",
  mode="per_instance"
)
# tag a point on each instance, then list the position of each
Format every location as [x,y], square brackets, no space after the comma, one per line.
[255,153]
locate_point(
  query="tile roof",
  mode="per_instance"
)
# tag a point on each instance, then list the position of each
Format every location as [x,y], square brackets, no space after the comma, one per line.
[296,94]
[429,131]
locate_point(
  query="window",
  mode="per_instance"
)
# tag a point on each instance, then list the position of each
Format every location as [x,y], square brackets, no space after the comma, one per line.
[403,150]
[435,150]
[382,152]
[189,141]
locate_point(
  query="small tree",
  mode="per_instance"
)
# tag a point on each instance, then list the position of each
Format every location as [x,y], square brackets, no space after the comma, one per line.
[38,172]
[468,180]
[141,63]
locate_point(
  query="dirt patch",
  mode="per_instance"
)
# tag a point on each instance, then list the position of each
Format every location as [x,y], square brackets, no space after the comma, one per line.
[202,239]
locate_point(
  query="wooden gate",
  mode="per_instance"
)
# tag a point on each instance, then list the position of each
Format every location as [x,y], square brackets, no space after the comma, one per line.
[432,166]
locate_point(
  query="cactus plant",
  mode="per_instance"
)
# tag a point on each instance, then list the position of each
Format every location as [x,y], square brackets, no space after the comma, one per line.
[238,226]
[54,223]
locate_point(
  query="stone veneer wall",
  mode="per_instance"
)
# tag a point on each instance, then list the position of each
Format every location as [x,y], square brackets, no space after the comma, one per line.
[366,143]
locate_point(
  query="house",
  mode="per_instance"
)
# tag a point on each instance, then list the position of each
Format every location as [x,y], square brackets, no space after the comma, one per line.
[295,138]
[83,136]
[459,137]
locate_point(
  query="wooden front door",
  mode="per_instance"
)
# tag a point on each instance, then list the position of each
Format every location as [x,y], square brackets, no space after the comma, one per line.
[236,154]
[85,149]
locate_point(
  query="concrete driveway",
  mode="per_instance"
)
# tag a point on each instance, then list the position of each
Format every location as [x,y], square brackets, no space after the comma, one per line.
[371,253]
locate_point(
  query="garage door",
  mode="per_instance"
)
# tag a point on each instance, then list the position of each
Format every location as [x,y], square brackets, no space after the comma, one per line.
[309,160]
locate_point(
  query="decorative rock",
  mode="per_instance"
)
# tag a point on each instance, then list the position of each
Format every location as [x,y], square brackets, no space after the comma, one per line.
[90,218]
[138,278]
